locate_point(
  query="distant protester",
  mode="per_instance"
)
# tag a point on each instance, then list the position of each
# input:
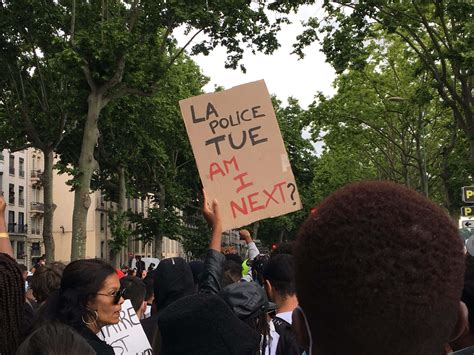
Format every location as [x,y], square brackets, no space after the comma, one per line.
[134,289]
[45,281]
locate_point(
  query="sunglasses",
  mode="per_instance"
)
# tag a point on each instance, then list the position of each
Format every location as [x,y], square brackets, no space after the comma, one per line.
[116,295]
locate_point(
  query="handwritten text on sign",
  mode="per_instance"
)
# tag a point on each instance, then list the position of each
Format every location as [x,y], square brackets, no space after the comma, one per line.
[240,153]
[127,336]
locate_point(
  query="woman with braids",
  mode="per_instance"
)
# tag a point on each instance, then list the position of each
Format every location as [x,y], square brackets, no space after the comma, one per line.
[88,299]
[12,293]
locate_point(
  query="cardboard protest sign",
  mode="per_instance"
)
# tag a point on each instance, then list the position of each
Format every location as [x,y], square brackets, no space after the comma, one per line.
[240,154]
[128,336]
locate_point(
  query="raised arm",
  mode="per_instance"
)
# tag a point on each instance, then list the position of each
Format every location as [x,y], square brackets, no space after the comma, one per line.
[214,262]
[5,244]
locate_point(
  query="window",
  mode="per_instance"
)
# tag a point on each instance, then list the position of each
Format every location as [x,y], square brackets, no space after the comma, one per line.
[12,165]
[102,222]
[35,249]
[21,196]
[11,221]
[21,223]
[11,194]
[1,181]
[20,250]
[102,248]
[1,156]
[21,167]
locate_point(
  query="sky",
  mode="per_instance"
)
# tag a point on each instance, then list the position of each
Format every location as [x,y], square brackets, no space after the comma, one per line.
[284,74]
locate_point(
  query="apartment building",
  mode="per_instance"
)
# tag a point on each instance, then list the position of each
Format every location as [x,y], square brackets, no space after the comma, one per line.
[16,185]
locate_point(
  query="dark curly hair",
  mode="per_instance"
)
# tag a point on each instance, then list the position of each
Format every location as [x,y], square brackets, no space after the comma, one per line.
[12,303]
[81,280]
[379,270]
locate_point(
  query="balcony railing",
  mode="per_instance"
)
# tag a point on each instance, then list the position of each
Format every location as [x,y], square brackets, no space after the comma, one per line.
[37,207]
[36,173]
[17,228]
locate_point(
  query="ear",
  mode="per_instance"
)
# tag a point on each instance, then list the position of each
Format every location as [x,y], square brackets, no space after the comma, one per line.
[143,307]
[269,289]
[462,324]
[301,332]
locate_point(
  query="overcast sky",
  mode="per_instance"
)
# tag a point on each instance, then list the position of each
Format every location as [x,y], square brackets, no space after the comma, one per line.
[283,73]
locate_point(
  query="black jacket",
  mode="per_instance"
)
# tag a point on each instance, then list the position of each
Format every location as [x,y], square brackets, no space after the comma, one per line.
[212,272]
[100,346]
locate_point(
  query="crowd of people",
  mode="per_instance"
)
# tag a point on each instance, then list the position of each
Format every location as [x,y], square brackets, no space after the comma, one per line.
[375,269]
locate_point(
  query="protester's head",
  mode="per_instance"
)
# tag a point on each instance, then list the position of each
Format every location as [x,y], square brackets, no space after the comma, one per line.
[196,268]
[45,281]
[258,264]
[204,324]
[24,271]
[172,280]
[285,248]
[138,257]
[232,272]
[249,303]
[53,339]
[132,272]
[279,277]
[468,290]
[149,295]
[379,270]
[12,301]
[134,290]
[89,295]
[234,257]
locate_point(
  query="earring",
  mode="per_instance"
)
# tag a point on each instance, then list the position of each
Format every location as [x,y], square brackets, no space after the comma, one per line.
[90,323]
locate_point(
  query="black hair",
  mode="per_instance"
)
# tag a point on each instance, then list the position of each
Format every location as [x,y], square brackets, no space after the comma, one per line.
[22,267]
[279,271]
[135,291]
[379,270]
[55,338]
[45,281]
[285,248]
[148,281]
[258,264]
[232,272]
[81,281]
[12,303]
[234,257]
[468,290]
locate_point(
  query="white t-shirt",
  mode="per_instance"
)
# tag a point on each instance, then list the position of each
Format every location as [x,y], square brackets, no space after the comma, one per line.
[272,342]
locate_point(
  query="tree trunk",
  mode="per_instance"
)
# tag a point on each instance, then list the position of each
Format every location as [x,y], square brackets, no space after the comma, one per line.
[471,151]
[158,247]
[255,230]
[122,204]
[49,207]
[87,166]
[421,156]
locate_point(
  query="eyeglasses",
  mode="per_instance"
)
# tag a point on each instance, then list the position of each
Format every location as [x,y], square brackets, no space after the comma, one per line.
[116,295]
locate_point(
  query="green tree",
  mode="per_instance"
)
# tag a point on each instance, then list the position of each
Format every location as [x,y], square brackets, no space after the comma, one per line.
[40,98]
[440,34]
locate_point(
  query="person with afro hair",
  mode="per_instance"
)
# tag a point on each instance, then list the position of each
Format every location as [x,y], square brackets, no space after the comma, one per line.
[379,270]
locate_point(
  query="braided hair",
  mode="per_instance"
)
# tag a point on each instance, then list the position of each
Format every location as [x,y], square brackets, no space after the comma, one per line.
[12,301]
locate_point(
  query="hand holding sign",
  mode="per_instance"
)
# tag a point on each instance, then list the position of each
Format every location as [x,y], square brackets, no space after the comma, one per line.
[240,154]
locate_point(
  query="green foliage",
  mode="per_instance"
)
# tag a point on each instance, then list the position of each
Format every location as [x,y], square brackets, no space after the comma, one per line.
[119,229]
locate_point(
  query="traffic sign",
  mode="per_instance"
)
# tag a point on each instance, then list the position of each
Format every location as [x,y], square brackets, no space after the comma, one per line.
[468,194]
[468,224]
[467,211]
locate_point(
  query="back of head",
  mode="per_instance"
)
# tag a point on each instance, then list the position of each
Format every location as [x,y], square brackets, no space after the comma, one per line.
[285,248]
[203,324]
[172,280]
[279,271]
[379,270]
[81,281]
[45,281]
[468,290]
[135,291]
[12,300]
[232,272]
[55,338]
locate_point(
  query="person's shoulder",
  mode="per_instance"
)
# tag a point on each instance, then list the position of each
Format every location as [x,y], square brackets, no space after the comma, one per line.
[465,351]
